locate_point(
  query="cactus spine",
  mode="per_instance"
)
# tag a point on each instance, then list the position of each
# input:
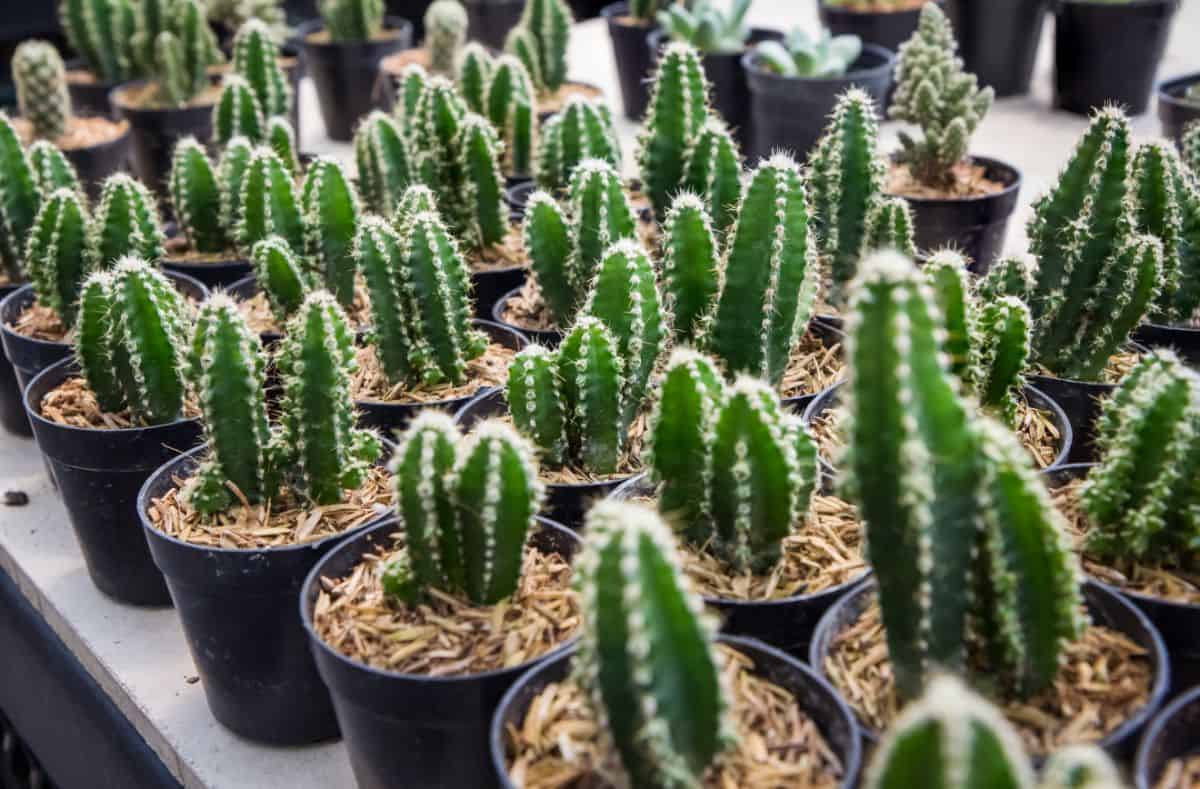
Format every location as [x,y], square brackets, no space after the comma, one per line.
[546,25]
[57,253]
[280,276]
[484,213]
[691,266]
[125,223]
[1189,147]
[196,196]
[101,31]
[268,204]
[331,221]
[678,111]
[184,52]
[888,225]
[510,104]
[385,162]
[445,32]
[352,20]
[714,171]
[231,172]
[583,130]
[51,170]
[41,82]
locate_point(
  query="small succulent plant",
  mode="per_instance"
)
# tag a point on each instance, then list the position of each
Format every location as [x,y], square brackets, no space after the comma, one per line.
[331,219]
[29,178]
[352,20]
[509,102]
[804,55]
[691,267]
[184,50]
[195,193]
[707,27]
[540,41]
[102,32]
[281,276]
[889,225]
[445,33]
[583,130]
[41,83]
[677,114]
[1168,208]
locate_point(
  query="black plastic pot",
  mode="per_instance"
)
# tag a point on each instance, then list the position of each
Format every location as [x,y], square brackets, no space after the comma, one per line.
[550,338]
[1108,53]
[99,474]
[730,94]
[975,226]
[491,286]
[1171,735]
[999,42]
[633,58]
[89,98]
[12,406]
[406,730]
[345,72]
[1105,607]
[790,113]
[887,29]
[565,504]
[586,9]
[1175,111]
[1185,341]
[816,699]
[389,418]
[212,274]
[490,20]
[97,162]
[155,130]
[238,610]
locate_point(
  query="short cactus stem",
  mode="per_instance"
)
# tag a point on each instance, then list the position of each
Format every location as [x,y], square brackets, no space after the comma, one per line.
[691,266]
[378,253]
[445,33]
[582,131]
[1009,276]
[51,170]
[280,276]
[714,172]
[183,52]
[102,32]
[413,82]
[534,402]
[238,112]
[592,377]
[677,113]
[124,223]
[256,59]
[57,254]
[888,225]
[196,196]
[548,25]
[20,199]
[269,205]
[509,102]
[352,20]
[281,139]
[95,350]
[474,70]
[434,130]
[231,172]
[41,83]
[385,162]
[484,212]
[521,44]
[331,216]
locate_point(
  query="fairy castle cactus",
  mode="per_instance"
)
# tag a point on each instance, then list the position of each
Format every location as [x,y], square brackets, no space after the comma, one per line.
[256,59]
[935,93]
[420,299]
[280,275]
[771,274]
[846,182]
[950,503]
[352,20]
[238,113]
[231,173]
[483,215]
[331,217]
[540,41]
[1141,500]
[646,652]
[184,52]
[1096,279]
[888,225]
[385,162]
[268,204]
[41,82]
[131,342]
[677,113]
[445,31]
[1168,208]
[324,454]
[281,139]
[102,31]
[474,69]
[465,506]
[21,196]
[510,104]
[583,130]
[57,255]
[228,371]
[691,266]
[714,172]
[124,223]
[737,470]
[196,196]
[565,245]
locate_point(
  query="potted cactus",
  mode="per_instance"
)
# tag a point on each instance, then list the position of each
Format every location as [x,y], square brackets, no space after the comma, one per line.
[885,23]
[629,24]
[540,41]
[445,34]
[653,697]
[466,567]
[235,525]
[957,199]
[951,503]
[106,418]
[1167,758]
[258,95]
[342,51]
[96,146]
[102,33]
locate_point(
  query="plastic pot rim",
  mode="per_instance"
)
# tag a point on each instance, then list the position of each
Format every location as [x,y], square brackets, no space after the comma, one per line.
[498,311]
[1168,91]
[15,296]
[1154,729]
[749,62]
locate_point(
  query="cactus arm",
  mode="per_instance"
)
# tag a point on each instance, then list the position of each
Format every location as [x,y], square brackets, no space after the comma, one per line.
[269,205]
[549,241]
[602,214]
[888,225]
[125,223]
[352,20]
[445,32]
[20,198]
[51,170]
[279,275]
[56,253]
[548,24]
[150,325]
[1009,276]
[424,460]
[255,59]
[678,109]
[521,44]
[1001,354]
[281,139]
[385,163]
[474,71]
[1158,212]
[487,214]
[238,112]
[231,171]
[94,343]
[196,197]
[532,391]
[714,172]
[377,251]
[691,265]
[591,380]
[946,272]
[330,224]
[1187,294]
[414,81]
[509,105]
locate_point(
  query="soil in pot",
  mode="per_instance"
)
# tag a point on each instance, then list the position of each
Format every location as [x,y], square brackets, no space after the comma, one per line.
[370,382]
[95,146]
[212,269]
[632,56]
[256,308]
[157,127]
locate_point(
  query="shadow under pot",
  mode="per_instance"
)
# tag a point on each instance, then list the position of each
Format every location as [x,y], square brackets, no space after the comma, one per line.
[345,72]
[565,503]
[239,615]
[998,42]
[12,407]
[785,623]
[884,27]
[1175,109]
[635,64]
[155,129]
[975,225]
[816,699]
[1108,53]
[1184,340]
[790,113]
[1177,622]
[1106,609]
[413,729]
[490,20]
[1170,746]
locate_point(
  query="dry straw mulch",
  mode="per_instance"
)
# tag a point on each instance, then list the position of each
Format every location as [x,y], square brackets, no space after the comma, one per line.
[812,367]
[509,253]
[630,462]
[281,521]
[1104,679]
[260,318]
[560,744]
[1118,366]
[40,322]
[970,180]
[74,403]
[1173,584]
[1180,774]
[370,382]
[447,636]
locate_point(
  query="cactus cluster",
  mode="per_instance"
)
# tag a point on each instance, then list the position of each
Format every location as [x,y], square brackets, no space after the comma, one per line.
[677,113]
[445,32]
[646,654]
[936,94]
[583,130]
[256,97]
[1168,208]
[41,82]
[1142,500]
[102,32]
[183,50]
[973,566]
[465,505]
[540,41]
[352,20]
[729,462]
[510,103]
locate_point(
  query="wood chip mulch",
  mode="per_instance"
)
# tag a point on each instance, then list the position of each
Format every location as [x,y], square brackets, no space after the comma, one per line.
[369,382]
[74,403]
[284,520]
[1173,584]
[629,464]
[40,322]
[1104,679]
[509,253]
[260,318]
[812,367]
[554,102]
[1180,774]
[447,636]
[560,744]
[526,310]
[970,180]
[83,131]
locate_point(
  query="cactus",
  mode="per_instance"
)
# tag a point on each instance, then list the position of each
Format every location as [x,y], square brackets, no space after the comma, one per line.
[51,169]
[231,173]
[102,31]
[238,113]
[229,371]
[183,53]
[1189,147]
[583,130]
[548,25]
[385,162]
[1168,208]
[474,71]
[537,411]
[646,654]
[691,266]
[888,225]
[331,216]
[1080,767]
[281,139]
[771,274]
[509,103]
[1186,301]
[935,93]
[125,223]
[677,113]
[95,352]
[730,463]
[268,204]
[196,197]
[1008,276]
[484,214]
[565,246]
[520,44]
[20,198]
[256,60]
[706,27]
[153,17]
[57,253]
[465,506]
[445,32]
[435,128]
[352,20]
[321,449]
[949,501]
[280,276]
[714,171]
[644,11]
[41,82]
[413,82]
[1142,501]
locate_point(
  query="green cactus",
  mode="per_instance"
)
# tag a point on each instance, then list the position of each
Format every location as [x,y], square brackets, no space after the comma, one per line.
[153,17]
[1168,208]
[51,169]
[949,501]
[268,205]
[20,198]
[583,130]
[281,139]
[256,60]
[771,274]
[484,216]
[1186,301]
[238,113]
[57,253]
[331,217]
[465,505]
[1142,499]
[196,197]
[352,20]
[474,70]
[101,31]
[1008,276]
[645,11]
[280,276]
[385,162]
[935,93]
[413,82]
[435,126]
[1189,147]
[565,245]
[183,52]
[41,82]
[533,401]
[707,27]
[888,225]
[510,104]
[236,14]
[714,171]
[231,173]
[229,370]
[691,266]
[646,650]
[322,451]
[124,223]
[98,359]
[547,24]
[445,33]
[521,44]
[677,113]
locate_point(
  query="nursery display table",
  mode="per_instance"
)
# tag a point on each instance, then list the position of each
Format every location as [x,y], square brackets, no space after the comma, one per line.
[107,695]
